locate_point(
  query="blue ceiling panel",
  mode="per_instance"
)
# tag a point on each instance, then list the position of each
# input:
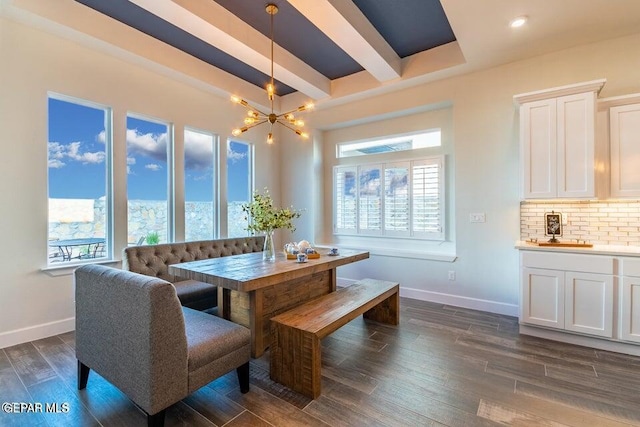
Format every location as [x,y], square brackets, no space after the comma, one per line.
[409,26]
[297,35]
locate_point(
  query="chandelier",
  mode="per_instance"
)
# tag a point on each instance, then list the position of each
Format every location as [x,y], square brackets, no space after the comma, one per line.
[256,117]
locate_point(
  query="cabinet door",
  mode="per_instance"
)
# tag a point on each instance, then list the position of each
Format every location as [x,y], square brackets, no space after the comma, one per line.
[576,145]
[542,297]
[589,303]
[625,150]
[630,309]
[538,148]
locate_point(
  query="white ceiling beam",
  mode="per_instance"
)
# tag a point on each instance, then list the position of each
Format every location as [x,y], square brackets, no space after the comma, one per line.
[218,27]
[347,26]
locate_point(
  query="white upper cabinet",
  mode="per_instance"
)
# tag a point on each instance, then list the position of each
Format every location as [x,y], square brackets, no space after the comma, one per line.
[624,128]
[557,141]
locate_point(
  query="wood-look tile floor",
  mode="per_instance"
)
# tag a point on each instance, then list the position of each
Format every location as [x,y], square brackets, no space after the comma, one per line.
[441,366]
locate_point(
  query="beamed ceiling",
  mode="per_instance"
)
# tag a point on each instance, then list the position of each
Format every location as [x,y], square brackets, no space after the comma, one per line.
[326,50]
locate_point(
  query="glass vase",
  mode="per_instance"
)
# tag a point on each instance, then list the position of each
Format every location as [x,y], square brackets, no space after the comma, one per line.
[269,250]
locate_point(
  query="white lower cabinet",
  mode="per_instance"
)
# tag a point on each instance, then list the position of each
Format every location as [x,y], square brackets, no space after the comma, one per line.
[630,300]
[588,303]
[543,297]
[571,292]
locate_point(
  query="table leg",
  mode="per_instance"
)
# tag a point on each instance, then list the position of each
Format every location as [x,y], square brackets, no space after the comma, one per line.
[256,323]
[224,303]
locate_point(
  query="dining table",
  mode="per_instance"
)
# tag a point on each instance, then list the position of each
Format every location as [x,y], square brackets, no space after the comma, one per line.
[252,290]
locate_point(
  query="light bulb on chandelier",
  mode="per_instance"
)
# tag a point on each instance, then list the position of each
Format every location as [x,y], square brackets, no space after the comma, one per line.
[256,117]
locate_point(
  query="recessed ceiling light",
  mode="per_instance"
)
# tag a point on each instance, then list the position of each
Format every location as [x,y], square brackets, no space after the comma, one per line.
[518,22]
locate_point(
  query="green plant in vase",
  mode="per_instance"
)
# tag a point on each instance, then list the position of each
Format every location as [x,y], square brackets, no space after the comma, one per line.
[264,218]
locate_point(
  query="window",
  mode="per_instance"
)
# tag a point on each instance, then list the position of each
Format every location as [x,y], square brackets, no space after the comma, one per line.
[239,186]
[79,165]
[148,176]
[199,185]
[431,138]
[399,199]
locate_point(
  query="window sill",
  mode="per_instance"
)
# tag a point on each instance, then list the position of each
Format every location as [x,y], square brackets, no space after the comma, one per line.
[399,253]
[68,269]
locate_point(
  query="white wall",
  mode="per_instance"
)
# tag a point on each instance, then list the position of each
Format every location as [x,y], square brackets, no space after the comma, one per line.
[33,303]
[486,156]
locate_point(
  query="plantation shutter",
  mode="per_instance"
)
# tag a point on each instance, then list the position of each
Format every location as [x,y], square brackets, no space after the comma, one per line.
[427,198]
[345,199]
[370,199]
[396,199]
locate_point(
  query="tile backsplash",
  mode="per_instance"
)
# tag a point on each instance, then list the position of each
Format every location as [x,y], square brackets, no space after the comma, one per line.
[610,222]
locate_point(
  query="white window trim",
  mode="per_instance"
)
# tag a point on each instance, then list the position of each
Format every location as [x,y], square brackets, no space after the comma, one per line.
[109,176]
[391,139]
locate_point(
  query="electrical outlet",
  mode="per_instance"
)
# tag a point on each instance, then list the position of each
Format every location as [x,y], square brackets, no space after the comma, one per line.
[452,275]
[477,217]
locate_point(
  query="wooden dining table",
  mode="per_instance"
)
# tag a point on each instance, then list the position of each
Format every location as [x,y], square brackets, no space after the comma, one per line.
[251,290]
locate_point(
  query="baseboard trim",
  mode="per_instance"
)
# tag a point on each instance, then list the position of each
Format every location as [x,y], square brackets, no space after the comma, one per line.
[449,299]
[32,333]
[570,338]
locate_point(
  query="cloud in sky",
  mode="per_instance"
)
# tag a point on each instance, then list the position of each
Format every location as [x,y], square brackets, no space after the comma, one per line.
[130,161]
[198,151]
[147,144]
[102,137]
[153,167]
[234,156]
[61,154]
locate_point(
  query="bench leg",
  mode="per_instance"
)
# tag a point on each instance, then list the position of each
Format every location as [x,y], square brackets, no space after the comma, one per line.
[243,377]
[388,311]
[295,360]
[156,420]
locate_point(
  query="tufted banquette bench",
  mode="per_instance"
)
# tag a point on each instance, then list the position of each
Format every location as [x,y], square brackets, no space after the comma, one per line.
[154,260]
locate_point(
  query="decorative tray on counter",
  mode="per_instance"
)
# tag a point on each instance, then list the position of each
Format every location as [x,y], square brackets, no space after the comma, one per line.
[309,256]
[576,244]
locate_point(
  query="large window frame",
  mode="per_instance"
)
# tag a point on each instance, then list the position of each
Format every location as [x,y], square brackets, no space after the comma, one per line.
[250,181]
[215,177]
[170,180]
[418,227]
[99,252]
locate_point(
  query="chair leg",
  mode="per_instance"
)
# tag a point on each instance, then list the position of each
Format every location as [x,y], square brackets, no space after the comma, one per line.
[243,377]
[156,420]
[83,375]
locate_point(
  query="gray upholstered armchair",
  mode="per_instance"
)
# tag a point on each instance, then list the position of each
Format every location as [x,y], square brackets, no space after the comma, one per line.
[132,330]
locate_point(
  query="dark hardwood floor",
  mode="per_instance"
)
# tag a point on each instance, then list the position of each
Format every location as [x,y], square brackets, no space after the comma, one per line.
[442,366]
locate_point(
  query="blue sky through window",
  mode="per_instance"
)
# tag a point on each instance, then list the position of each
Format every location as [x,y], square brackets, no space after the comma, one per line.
[77,158]
[76,151]
[238,171]
[146,160]
[198,166]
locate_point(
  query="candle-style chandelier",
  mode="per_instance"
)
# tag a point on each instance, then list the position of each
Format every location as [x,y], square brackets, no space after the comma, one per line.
[256,117]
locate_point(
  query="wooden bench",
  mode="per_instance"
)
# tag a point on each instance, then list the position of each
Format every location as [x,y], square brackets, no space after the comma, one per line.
[296,334]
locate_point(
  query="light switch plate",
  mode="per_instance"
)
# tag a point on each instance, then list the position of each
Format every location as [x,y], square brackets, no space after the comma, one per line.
[477,217]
